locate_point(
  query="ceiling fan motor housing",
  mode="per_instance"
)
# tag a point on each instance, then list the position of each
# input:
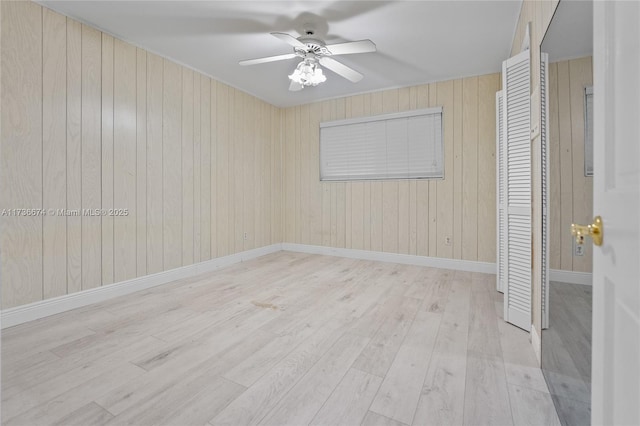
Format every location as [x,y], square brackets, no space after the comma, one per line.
[315,46]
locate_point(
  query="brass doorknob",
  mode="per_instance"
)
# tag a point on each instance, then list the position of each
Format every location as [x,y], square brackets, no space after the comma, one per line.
[595,231]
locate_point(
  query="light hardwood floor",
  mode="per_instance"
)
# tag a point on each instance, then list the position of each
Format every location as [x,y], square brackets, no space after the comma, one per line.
[566,351]
[288,338]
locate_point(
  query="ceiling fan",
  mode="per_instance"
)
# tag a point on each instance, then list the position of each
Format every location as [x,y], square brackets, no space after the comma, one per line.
[315,52]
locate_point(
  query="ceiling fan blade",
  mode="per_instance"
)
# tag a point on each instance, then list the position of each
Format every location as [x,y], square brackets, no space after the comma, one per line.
[295,86]
[267,59]
[290,40]
[362,46]
[341,69]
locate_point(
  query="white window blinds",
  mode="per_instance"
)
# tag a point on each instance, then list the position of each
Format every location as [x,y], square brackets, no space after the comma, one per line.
[393,146]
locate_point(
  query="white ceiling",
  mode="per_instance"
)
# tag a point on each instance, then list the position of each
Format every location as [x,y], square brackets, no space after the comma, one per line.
[570,34]
[418,41]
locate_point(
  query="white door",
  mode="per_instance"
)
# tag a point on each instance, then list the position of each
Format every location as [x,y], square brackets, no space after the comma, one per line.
[516,87]
[616,268]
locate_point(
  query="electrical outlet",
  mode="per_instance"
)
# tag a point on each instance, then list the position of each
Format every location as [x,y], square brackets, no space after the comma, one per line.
[578,249]
[447,241]
[246,236]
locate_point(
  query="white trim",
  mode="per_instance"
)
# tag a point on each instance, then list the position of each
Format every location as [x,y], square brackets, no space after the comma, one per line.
[382,117]
[570,277]
[44,308]
[433,262]
[536,343]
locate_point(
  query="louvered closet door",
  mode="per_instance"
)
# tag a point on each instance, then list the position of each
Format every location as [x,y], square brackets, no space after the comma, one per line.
[544,143]
[500,197]
[517,180]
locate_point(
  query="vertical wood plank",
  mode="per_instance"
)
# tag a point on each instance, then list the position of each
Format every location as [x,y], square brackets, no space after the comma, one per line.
[334,213]
[108,266]
[357,214]
[470,169]
[155,182]
[231,177]
[403,216]
[433,184]
[390,216]
[422,191]
[213,190]
[487,87]
[141,162]
[21,237]
[93,157]
[298,178]
[247,168]
[54,155]
[315,188]
[289,175]
[277,167]
[74,155]
[268,173]
[444,187]
[566,166]
[341,214]
[197,174]
[326,190]
[305,158]
[187,167]
[205,168]
[124,164]
[238,180]
[171,165]
[222,168]
[261,157]
[457,174]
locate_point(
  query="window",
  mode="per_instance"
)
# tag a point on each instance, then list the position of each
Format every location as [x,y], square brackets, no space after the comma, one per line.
[588,131]
[405,145]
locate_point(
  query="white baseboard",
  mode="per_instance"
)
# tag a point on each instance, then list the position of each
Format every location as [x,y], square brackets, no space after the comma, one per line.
[44,308]
[570,277]
[536,343]
[407,259]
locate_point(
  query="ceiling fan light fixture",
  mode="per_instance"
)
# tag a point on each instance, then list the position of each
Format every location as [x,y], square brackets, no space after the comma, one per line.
[308,73]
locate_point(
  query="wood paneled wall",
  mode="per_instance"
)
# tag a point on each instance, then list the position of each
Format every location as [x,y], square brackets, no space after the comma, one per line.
[571,193]
[454,217]
[91,122]
[539,14]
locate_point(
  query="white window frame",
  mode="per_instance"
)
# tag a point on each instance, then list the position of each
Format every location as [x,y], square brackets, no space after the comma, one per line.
[382,118]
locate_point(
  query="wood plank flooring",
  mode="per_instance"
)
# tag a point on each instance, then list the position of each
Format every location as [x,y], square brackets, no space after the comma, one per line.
[285,339]
[566,351]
